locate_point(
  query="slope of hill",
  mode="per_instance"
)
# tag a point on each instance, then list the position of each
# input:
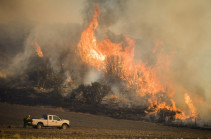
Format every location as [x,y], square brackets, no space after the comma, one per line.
[85,124]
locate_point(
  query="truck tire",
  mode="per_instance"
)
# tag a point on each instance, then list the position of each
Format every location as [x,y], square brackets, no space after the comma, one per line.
[64,126]
[39,125]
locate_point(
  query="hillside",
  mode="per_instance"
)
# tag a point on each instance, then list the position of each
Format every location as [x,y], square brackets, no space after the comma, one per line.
[85,124]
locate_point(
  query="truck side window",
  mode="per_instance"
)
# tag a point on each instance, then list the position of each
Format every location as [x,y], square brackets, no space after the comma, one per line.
[50,117]
[56,118]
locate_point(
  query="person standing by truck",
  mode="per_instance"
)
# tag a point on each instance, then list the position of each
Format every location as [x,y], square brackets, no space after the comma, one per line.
[27,120]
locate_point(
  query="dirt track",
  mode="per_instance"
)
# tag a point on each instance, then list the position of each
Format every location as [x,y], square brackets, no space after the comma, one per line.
[87,125]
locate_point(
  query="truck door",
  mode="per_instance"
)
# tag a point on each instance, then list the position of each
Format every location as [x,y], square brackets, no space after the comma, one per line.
[57,120]
[51,121]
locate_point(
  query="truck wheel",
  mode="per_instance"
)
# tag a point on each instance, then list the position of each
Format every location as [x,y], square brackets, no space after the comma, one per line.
[39,125]
[64,126]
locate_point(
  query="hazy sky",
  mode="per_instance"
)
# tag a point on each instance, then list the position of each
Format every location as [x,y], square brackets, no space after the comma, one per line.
[47,11]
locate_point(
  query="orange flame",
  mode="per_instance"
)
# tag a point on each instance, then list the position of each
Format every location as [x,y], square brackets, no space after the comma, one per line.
[37,49]
[88,46]
[188,101]
[118,60]
[97,54]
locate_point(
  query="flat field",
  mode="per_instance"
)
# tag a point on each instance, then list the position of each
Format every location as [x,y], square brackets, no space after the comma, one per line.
[85,125]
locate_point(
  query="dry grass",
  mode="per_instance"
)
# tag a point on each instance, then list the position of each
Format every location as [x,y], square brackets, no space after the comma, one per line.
[97,133]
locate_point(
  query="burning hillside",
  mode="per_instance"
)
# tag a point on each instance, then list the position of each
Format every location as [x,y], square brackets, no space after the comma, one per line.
[117,59]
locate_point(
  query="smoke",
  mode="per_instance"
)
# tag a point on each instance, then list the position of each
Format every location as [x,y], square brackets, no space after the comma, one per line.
[183,26]
[92,76]
[56,29]
[112,11]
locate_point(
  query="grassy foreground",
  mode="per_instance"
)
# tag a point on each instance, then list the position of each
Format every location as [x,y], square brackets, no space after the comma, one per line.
[95,133]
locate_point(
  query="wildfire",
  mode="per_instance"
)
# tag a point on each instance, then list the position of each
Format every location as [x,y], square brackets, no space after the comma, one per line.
[88,46]
[37,49]
[188,101]
[117,60]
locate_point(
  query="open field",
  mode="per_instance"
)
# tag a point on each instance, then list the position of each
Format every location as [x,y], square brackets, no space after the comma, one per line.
[86,125]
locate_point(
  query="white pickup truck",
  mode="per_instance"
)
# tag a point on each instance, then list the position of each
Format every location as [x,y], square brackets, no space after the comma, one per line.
[50,121]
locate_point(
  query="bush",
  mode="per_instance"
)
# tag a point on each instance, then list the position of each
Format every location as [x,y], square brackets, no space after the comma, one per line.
[90,94]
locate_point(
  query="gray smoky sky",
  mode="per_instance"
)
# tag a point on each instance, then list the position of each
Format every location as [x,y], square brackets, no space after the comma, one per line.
[183,25]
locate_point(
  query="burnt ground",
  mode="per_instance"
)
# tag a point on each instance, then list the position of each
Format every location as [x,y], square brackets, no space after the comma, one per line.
[87,125]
